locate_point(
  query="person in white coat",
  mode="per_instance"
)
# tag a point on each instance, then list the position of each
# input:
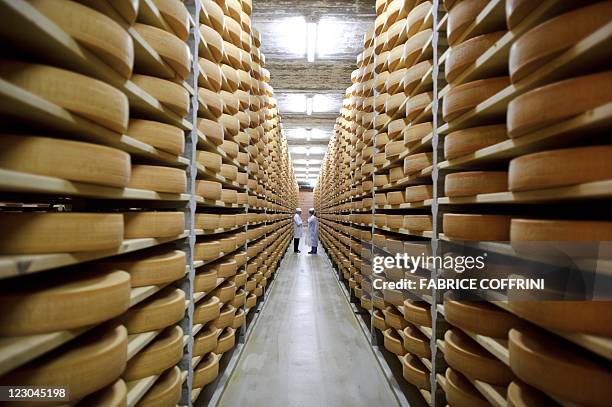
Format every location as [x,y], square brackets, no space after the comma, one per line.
[297,230]
[313,231]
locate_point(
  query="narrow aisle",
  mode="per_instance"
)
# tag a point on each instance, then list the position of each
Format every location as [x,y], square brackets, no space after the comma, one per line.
[307,348]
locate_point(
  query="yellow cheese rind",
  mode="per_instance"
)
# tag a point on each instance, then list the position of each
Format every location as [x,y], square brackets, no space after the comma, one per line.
[160,135]
[212,130]
[103,36]
[171,95]
[560,230]
[466,53]
[84,96]
[466,141]
[66,302]
[211,161]
[206,280]
[153,224]
[226,341]
[209,189]
[166,391]
[210,104]
[163,309]
[161,354]
[476,227]
[523,395]
[417,162]
[206,311]
[176,15]
[113,395]
[461,16]
[461,98]
[417,312]
[461,393]
[145,269]
[67,159]
[172,49]
[417,222]
[205,341]
[415,372]
[480,317]
[206,371]
[60,232]
[471,183]
[208,251]
[418,193]
[211,76]
[158,178]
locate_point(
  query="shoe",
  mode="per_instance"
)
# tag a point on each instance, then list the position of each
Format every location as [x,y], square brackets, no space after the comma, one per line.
[297,252]
[311,253]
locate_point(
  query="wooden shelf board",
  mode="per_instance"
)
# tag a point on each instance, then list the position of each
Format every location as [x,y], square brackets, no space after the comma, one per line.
[138,388]
[213,176]
[137,342]
[407,232]
[496,395]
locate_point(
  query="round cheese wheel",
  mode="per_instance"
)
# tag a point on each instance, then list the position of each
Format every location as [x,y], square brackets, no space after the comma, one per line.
[230,79]
[394,221]
[416,132]
[522,395]
[476,227]
[209,189]
[395,198]
[479,317]
[153,224]
[417,222]
[229,171]
[232,40]
[416,342]
[466,141]
[460,16]
[205,341]
[571,373]
[558,168]
[207,221]
[461,98]
[167,388]
[102,35]
[163,309]
[210,77]
[417,162]
[206,371]
[415,372]
[211,44]
[226,341]
[211,161]
[165,351]
[70,160]
[230,125]
[412,49]
[393,342]
[471,183]
[414,75]
[60,232]
[145,269]
[63,302]
[544,42]
[225,292]
[208,251]
[114,395]
[229,196]
[231,103]
[227,221]
[160,135]
[462,55]
[416,104]
[206,311]
[172,49]
[224,268]
[210,104]
[84,365]
[393,318]
[212,15]
[225,318]
[239,319]
[560,230]
[251,301]
[418,193]
[204,281]
[461,393]
[466,356]
[212,130]
[417,312]
[92,99]
[549,104]
[176,15]
[171,95]
[240,298]
[158,178]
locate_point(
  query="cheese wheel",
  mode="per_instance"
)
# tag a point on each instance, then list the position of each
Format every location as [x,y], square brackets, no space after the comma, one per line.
[416,132]
[393,342]
[466,141]
[251,301]
[415,17]
[226,341]
[211,44]
[417,222]
[212,130]
[417,312]
[230,79]
[206,280]
[476,227]
[231,35]
[239,319]
[417,162]
[171,95]
[415,74]
[211,161]
[465,355]
[92,99]
[212,15]
[465,54]
[153,224]
[461,393]
[230,125]
[395,198]
[211,76]
[544,42]
[70,160]
[549,104]
[225,292]
[225,318]
[229,196]
[416,342]
[163,309]
[418,193]
[205,341]
[466,96]
[206,311]
[176,15]
[165,351]
[145,269]
[517,10]
[415,372]
[413,49]
[172,49]
[571,374]
[207,251]
[229,171]
[231,103]
[480,318]
[559,168]
[560,230]
[84,365]
[206,371]
[461,16]
[62,303]
[114,395]
[60,232]
[158,178]
[227,221]
[475,182]
[224,268]
[210,104]
[160,135]
[207,221]
[167,389]
[416,105]
[522,395]
[209,189]
[103,36]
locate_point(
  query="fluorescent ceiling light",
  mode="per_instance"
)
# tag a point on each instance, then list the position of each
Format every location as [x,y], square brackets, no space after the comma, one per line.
[293,103]
[302,161]
[332,36]
[290,34]
[311,41]
[309,105]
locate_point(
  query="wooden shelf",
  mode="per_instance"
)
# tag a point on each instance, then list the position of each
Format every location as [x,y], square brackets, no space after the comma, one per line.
[204,173]
[213,148]
[419,178]
[496,395]
[406,231]
[137,342]
[138,388]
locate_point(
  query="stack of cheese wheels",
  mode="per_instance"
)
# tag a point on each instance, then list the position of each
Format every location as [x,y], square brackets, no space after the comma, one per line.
[159,311]
[161,354]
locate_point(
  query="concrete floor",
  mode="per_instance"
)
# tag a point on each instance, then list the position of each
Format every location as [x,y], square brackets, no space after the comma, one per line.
[307,348]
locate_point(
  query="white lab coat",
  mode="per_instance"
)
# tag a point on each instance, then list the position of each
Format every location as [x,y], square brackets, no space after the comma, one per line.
[297,226]
[313,230]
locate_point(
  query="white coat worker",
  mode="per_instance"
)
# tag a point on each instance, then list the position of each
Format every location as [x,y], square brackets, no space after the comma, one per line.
[297,230]
[313,231]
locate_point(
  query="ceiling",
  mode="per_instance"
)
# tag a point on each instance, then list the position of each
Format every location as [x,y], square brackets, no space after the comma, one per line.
[310,48]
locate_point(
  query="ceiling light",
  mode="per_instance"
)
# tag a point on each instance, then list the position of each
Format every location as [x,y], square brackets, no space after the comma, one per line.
[309,106]
[311,41]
